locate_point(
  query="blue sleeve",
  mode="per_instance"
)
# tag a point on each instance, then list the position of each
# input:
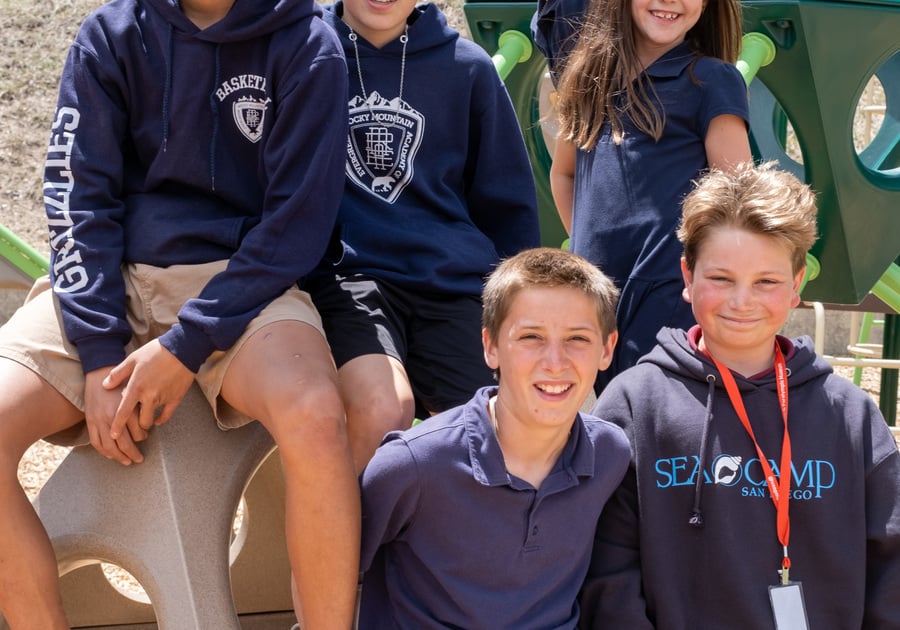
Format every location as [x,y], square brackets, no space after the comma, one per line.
[883,526]
[303,171]
[724,92]
[82,181]
[500,188]
[612,595]
[390,497]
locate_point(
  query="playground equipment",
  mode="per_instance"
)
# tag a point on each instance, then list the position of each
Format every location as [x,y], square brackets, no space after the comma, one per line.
[807,93]
[814,85]
[168,521]
[20,264]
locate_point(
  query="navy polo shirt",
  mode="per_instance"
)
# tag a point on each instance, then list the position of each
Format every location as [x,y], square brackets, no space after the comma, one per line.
[451,539]
[628,197]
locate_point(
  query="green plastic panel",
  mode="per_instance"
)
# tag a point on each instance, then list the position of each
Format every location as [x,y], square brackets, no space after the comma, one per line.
[826,54]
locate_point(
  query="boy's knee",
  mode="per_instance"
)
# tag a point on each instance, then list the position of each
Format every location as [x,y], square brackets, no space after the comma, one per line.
[380,407]
[309,419]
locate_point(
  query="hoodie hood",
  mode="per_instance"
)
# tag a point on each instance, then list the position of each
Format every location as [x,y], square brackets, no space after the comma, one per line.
[247,19]
[675,353]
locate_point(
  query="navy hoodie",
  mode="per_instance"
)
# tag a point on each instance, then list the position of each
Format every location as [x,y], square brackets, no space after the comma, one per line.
[440,188]
[173,145]
[653,569]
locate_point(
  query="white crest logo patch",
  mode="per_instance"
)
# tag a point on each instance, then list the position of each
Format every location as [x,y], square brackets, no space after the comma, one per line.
[382,145]
[250,116]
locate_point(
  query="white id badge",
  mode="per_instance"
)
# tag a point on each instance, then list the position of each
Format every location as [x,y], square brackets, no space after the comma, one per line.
[788,607]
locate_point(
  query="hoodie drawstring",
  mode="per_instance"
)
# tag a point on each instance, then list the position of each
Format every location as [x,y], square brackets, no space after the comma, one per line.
[167,88]
[215,116]
[696,519]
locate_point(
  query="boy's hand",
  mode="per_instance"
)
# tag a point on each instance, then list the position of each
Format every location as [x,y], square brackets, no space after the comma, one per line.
[100,405]
[155,382]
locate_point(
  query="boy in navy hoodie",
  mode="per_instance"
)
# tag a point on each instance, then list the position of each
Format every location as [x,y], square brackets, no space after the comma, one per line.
[483,516]
[438,190]
[193,177]
[763,488]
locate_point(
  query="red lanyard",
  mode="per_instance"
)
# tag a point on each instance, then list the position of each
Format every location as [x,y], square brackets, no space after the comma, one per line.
[779,487]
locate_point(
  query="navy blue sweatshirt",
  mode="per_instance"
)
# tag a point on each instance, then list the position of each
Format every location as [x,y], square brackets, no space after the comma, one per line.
[173,145]
[653,568]
[439,188]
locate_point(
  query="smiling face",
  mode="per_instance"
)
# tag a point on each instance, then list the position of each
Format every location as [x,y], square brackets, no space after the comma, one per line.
[379,23]
[742,289]
[660,25]
[548,350]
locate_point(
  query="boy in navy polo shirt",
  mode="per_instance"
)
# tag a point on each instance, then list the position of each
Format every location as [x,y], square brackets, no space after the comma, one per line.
[484,515]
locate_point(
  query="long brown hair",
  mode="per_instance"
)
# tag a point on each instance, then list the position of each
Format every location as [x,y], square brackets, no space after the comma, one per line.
[602,68]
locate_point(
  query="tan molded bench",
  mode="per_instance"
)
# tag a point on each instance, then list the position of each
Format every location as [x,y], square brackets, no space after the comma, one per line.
[168,521]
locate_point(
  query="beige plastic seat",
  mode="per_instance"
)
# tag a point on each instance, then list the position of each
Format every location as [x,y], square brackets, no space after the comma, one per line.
[169,522]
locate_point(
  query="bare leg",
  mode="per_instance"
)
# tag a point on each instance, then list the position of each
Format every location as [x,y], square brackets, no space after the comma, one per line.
[378,399]
[284,376]
[29,584]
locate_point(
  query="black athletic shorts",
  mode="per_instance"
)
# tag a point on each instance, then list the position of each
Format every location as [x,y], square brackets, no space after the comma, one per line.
[437,337]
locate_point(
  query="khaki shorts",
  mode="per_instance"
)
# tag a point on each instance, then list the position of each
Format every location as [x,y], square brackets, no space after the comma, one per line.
[34,336]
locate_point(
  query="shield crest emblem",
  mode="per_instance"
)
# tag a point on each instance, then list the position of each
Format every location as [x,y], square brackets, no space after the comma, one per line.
[382,144]
[250,117]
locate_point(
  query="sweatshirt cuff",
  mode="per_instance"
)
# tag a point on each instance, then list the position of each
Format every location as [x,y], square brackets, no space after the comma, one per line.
[100,352]
[189,344]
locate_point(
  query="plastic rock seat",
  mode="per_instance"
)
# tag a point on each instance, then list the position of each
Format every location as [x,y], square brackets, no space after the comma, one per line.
[168,521]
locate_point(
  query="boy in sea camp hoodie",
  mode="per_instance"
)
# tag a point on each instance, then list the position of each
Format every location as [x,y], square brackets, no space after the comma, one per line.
[762,485]
[193,177]
[439,189]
